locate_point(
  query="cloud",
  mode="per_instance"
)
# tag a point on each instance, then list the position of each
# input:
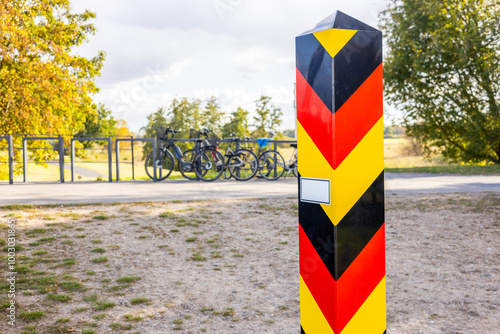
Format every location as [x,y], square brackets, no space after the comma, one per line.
[236,50]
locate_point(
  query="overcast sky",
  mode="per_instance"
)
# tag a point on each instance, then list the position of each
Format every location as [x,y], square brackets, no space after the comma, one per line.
[236,50]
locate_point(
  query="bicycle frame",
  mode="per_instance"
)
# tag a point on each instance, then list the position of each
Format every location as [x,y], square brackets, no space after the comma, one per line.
[291,164]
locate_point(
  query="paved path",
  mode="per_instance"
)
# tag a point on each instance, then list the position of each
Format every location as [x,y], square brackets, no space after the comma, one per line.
[106,192]
[80,170]
[438,183]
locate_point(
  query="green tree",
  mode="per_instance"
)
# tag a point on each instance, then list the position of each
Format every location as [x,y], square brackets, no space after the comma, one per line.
[155,120]
[44,86]
[212,116]
[443,71]
[237,124]
[100,124]
[184,115]
[268,117]
[290,133]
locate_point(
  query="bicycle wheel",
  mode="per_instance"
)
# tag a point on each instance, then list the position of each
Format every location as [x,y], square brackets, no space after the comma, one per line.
[243,165]
[187,169]
[164,165]
[209,164]
[271,165]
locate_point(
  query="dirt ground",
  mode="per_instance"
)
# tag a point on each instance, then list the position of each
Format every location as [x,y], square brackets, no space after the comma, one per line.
[232,266]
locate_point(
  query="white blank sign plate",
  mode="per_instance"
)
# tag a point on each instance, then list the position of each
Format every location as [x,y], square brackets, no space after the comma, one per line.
[315,190]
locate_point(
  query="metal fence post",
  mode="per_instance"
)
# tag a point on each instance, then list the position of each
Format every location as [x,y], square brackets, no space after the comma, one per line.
[117,148]
[133,160]
[25,160]
[11,159]
[154,159]
[110,160]
[61,158]
[275,158]
[72,159]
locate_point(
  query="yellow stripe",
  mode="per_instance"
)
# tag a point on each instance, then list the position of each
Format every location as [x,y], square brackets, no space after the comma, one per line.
[371,316]
[333,40]
[311,317]
[356,173]
[352,178]
[312,162]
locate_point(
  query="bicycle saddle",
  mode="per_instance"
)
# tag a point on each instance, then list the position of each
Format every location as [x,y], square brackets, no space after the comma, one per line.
[262,142]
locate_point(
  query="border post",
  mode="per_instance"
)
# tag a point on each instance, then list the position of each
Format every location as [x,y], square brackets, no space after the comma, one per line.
[341,178]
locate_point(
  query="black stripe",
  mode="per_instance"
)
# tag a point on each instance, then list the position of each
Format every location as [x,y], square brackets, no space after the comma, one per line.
[302,330]
[359,225]
[315,64]
[320,231]
[338,246]
[354,64]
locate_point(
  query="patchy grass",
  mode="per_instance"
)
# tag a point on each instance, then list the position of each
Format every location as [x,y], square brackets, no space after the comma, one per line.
[449,169]
[116,326]
[139,300]
[128,279]
[100,259]
[59,297]
[78,287]
[29,316]
[103,305]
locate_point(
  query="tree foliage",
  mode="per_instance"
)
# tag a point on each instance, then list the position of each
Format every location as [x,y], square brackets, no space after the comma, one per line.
[155,120]
[44,86]
[99,124]
[443,71]
[237,124]
[212,116]
[268,117]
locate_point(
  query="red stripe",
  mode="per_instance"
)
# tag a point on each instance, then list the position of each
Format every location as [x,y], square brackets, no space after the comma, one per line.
[317,278]
[316,118]
[340,300]
[358,115]
[360,279]
[336,135]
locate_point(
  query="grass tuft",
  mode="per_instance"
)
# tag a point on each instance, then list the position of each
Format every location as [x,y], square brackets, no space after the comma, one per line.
[128,279]
[100,259]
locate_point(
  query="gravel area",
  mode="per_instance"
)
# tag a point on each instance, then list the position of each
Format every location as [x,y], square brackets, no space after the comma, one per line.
[231,266]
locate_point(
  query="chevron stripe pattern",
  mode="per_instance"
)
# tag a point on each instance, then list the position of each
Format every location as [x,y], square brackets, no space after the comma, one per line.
[340,154]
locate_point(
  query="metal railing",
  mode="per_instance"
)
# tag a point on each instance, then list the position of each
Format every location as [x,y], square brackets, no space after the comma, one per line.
[61,155]
[109,147]
[132,140]
[110,154]
[10,157]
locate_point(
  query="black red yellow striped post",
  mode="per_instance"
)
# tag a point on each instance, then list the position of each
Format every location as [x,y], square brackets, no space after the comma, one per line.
[341,183]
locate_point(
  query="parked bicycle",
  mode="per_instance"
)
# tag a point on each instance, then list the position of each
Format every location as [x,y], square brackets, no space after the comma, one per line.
[271,162]
[209,163]
[242,163]
[195,160]
[201,141]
